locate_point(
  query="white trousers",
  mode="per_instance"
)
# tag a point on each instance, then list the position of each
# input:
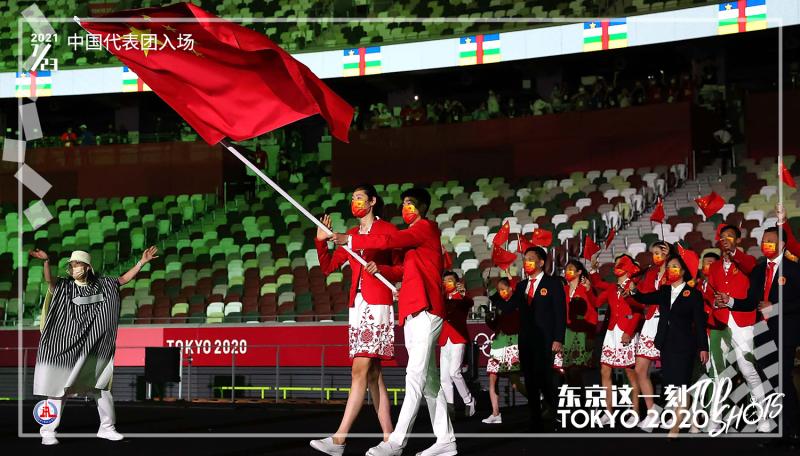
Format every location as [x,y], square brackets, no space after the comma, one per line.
[451,357]
[422,380]
[105,409]
[742,340]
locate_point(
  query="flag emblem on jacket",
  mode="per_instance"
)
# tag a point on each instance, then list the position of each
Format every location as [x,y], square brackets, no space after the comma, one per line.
[605,34]
[34,84]
[132,83]
[742,16]
[478,49]
[361,61]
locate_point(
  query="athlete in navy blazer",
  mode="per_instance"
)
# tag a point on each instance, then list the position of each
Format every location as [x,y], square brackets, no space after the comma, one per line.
[543,321]
[786,275]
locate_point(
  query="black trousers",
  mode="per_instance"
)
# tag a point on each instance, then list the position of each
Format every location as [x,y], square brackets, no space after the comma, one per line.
[536,363]
[790,421]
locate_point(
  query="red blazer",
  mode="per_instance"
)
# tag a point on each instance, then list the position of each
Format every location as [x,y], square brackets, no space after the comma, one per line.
[583,303]
[791,242]
[454,328]
[648,285]
[389,265]
[736,283]
[422,266]
[622,311]
[712,322]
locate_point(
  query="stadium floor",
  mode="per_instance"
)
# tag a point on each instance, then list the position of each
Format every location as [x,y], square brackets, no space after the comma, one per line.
[310,418]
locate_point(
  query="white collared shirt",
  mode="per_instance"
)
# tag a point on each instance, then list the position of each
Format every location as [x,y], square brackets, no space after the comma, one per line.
[775,268]
[674,292]
[534,282]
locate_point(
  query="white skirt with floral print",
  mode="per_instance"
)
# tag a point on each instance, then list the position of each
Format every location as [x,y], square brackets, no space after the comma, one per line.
[371,330]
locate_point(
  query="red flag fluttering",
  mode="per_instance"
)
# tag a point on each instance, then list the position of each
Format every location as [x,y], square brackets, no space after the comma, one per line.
[501,237]
[590,248]
[233,82]
[610,238]
[786,176]
[710,204]
[502,258]
[658,213]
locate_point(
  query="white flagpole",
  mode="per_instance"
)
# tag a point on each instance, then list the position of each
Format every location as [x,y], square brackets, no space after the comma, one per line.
[300,208]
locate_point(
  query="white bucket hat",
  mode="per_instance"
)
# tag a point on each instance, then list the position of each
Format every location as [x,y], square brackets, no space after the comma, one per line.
[83,257]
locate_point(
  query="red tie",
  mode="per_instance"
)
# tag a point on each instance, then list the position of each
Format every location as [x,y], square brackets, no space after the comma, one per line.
[768,280]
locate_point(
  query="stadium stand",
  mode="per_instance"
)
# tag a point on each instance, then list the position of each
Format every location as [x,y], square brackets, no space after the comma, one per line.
[252,259]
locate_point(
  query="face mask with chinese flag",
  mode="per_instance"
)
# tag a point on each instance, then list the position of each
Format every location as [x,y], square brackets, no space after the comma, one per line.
[529,267]
[505,293]
[359,208]
[570,275]
[769,249]
[706,269]
[409,213]
[674,274]
[619,272]
[449,287]
[658,259]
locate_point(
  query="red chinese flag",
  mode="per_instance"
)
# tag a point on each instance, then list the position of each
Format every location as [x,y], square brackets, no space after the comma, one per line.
[523,243]
[233,82]
[447,260]
[501,237]
[786,177]
[590,248]
[658,213]
[502,258]
[710,204]
[610,238]
[542,237]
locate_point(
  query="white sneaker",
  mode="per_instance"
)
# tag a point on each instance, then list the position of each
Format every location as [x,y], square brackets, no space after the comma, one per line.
[493,419]
[110,434]
[327,446]
[440,449]
[650,421]
[694,429]
[385,449]
[49,438]
[469,409]
[630,421]
[764,426]
[605,419]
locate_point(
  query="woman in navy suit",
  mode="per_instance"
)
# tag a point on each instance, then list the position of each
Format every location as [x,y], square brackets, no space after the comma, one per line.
[681,334]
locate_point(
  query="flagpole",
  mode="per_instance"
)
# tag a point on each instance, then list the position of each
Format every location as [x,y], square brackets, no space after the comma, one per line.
[300,208]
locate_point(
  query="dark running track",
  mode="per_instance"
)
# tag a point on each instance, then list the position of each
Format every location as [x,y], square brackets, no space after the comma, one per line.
[81,417]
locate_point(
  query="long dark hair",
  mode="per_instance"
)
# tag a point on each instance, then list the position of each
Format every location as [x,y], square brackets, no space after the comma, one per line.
[377,209]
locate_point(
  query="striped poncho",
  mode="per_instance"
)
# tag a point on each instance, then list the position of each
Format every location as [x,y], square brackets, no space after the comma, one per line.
[76,349]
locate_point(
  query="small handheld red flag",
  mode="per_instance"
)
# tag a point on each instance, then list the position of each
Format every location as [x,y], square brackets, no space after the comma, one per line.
[710,204]
[610,238]
[501,237]
[590,248]
[523,243]
[786,177]
[658,213]
[502,258]
[447,260]
[542,237]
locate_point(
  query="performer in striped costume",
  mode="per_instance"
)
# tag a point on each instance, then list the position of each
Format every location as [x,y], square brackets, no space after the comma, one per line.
[76,348]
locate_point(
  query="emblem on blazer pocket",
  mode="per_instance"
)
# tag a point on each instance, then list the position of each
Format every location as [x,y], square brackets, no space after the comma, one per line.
[686,293]
[543,291]
[782,280]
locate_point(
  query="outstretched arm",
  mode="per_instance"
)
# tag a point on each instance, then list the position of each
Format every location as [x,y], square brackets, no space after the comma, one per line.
[40,254]
[147,256]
